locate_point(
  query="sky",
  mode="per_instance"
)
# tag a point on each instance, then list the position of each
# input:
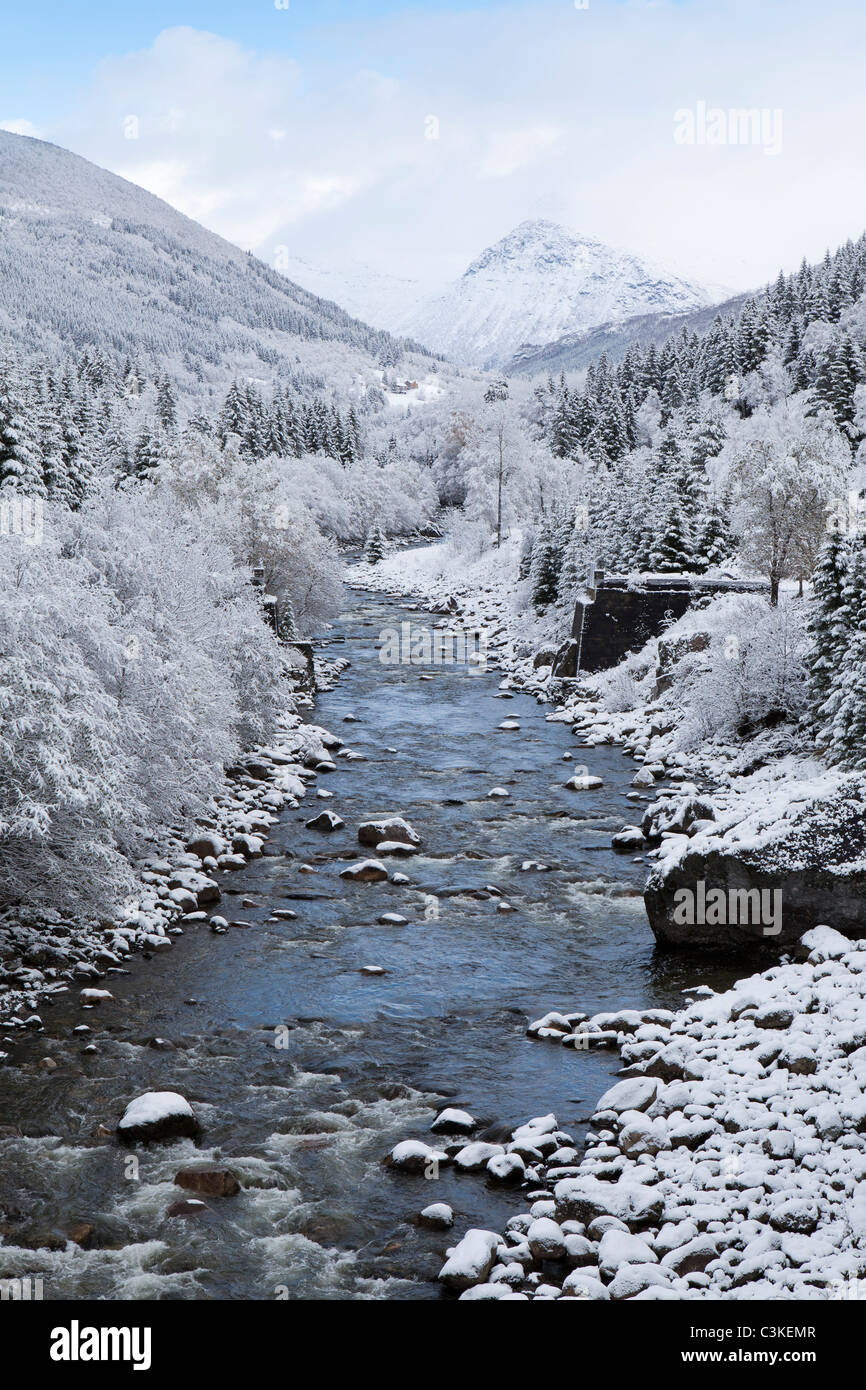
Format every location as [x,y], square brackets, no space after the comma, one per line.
[409,136]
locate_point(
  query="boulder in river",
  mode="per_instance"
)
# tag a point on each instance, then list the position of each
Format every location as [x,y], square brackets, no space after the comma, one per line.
[388,829]
[366,871]
[158,1115]
[326,822]
[471,1260]
[439,1216]
[583,782]
[189,1207]
[411,1156]
[208,1180]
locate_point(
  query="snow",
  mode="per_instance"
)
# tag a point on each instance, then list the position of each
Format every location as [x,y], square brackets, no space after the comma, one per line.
[755,1185]
[536,285]
[153,1106]
[470,1261]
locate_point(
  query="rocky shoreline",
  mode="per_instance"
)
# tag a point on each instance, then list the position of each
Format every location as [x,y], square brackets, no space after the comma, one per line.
[44,956]
[728,1163]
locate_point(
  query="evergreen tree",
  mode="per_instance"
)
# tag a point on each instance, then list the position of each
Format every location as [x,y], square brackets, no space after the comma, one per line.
[20,461]
[544,573]
[375,549]
[830,621]
[673,550]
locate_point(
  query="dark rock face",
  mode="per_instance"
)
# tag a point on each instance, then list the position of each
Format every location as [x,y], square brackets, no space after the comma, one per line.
[813,867]
[810,897]
[620,619]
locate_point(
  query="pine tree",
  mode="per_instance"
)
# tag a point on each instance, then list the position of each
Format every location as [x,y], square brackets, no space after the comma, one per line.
[287,627]
[673,550]
[20,460]
[714,544]
[375,549]
[544,573]
[830,622]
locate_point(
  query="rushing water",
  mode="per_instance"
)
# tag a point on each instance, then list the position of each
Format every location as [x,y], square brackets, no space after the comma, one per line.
[368,1058]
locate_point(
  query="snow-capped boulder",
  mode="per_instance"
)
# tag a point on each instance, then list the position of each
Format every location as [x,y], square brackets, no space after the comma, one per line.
[471,1260]
[583,782]
[439,1216]
[388,828]
[326,822]
[365,871]
[411,1156]
[157,1115]
[453,1121]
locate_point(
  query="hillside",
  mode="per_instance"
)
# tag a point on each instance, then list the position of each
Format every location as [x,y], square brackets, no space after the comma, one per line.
[88,259]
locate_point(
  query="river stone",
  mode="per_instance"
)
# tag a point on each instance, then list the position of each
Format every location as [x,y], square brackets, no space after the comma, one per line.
[506,1168]
[211,1182]
[326,822]
[585,1198]
[637,1093]
[546,1239]
[470,1261]
[583,783]
[411,1156]
[191,1207]
[157,1115]
[453,1121]
[439,1216]
[628,839]
[388,828]
[692,1257]
[366,871]
[207,846]
[473,1157]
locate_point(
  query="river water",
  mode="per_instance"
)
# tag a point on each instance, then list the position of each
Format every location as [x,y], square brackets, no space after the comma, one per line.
[368,1059]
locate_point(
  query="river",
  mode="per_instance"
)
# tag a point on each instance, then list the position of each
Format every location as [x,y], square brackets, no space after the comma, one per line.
[367,1059]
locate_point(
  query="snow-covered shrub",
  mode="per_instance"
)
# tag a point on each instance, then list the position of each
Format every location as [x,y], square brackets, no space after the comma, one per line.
[753,669]
[257,512]
[618,689]
[134,663]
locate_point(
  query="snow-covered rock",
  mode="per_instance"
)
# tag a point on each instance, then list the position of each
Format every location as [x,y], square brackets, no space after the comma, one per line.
[157,1115]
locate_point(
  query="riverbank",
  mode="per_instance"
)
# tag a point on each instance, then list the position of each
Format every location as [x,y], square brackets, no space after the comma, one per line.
[729,1163]
[44,955]
[752,808]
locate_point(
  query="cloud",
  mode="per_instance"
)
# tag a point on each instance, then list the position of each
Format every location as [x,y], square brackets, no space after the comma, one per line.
[19,127]
[413,142]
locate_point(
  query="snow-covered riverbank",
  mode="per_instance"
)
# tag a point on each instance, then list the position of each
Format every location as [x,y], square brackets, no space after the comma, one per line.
[43,954]
[731,1160]
[729,1163]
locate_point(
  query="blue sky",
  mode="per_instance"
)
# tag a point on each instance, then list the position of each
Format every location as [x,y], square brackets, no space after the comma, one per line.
[53,44]
[307,131]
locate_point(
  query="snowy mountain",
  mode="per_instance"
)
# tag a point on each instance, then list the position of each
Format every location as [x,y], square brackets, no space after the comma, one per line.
[87,258]
[538,284]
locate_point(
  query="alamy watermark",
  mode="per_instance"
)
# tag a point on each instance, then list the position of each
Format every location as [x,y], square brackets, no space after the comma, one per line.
[411,645]
[715,126]
[23,1289]
[22,516]
[720,907]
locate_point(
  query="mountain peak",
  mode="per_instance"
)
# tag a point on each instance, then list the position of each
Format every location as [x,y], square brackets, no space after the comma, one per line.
[538,283]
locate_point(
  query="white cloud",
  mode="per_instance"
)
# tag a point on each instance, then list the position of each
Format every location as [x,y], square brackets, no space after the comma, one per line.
[535,103]
[19,127]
